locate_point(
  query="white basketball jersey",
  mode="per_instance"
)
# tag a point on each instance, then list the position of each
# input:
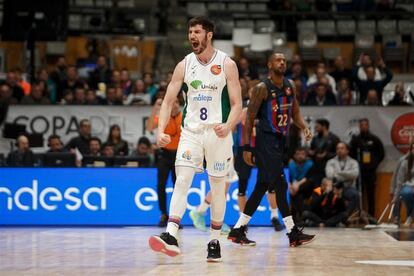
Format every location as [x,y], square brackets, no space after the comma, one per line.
[205,92]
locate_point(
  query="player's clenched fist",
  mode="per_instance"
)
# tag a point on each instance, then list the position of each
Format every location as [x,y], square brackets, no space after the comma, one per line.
[163,139]
[222,130]
[308,134]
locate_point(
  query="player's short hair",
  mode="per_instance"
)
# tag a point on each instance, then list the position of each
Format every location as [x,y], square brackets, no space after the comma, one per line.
[323,122]
[206,23]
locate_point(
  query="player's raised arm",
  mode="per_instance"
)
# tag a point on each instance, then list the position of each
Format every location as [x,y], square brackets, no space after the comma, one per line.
[173,89]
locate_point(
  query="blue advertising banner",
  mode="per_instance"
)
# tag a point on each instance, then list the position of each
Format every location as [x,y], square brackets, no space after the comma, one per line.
[99,196]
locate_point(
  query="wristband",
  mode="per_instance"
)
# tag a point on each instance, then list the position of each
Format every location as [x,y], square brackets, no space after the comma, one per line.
[247,147]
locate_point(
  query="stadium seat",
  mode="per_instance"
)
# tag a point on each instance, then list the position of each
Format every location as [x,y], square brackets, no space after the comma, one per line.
[261,42]
[224,27]
[393,50]
[226,46]
[257,7]
[368,27]
[306,26]
[386,27]
[242,36]
[236,7]
[346,27]
[244,24]
[308,46]
[279,39]
[406,27]
[364,43]
[216,6]
[325,27]
[330,54]
[196,9]
[265,26]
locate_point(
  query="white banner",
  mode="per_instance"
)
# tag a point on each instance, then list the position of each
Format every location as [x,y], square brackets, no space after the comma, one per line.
[64,121]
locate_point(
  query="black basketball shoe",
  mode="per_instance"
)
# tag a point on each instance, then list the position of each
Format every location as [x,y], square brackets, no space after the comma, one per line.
[297,237]
[213,252]
[276,224]
[165,243]
[238,235]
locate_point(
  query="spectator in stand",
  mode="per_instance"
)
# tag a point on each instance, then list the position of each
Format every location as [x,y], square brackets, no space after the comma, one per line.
[297,74]
[344,171]
[296,59]
[327,207]
[101,74]
[51,88]
[108,151]
[323,148]
[321,72]
[81,142]
[246,70]
[71,82]
[6,95]
[301,176]
[59,74]
[37,96]
[68,97]
[126,82]
[91,98]
[364,85]
[144,149]
[116,78]
[138,96]
[300,87]
[79,96]
[95,145]
[372,98]
[111,96]
[405,183]
[150,87]
[398,98]
[11,81]
[321,97]
[340,72]
[120,147]
[369,151]
[345,94]
[27,88]
[54,143]
[23,156]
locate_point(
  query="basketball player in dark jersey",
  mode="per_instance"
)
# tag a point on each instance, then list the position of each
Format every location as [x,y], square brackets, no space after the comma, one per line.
[274,104]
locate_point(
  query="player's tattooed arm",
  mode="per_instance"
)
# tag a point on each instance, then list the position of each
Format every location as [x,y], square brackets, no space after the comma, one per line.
[258,95]
[297,116]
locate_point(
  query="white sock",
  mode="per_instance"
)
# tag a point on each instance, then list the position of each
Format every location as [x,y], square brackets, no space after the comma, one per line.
[274,213]
[289,223]
[215,234]
[202,208]
[172,228]
[243,220]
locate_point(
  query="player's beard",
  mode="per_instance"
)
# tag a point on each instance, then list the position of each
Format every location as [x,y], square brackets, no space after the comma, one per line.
[279,71]
[202,45]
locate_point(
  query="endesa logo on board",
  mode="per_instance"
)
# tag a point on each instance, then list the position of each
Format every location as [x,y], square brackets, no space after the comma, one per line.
[31,198]
[402,132]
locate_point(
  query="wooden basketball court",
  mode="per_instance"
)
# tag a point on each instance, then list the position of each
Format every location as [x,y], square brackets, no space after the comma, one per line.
[124,251]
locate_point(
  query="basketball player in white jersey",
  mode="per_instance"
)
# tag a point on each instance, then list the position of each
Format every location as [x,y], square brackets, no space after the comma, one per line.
[209,80]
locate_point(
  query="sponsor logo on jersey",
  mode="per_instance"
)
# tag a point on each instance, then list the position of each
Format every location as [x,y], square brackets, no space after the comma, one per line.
[219,166]
[186,155]
[215,69]
[196,84]
[202,98]
[288,91]
[275,107]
